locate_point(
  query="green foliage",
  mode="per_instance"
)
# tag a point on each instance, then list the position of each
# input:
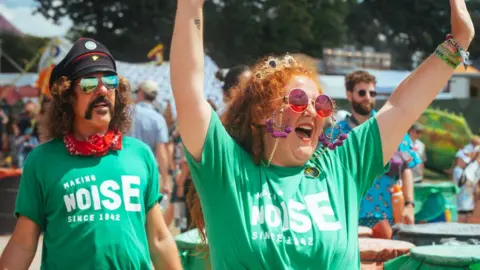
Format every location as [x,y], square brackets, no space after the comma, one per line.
[240,31]
[22,49]
[406,25]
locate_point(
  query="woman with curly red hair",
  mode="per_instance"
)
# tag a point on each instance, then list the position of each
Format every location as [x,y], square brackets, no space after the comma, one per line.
[270,200]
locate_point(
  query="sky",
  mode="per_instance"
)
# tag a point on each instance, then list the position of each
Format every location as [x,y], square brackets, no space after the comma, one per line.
[19,13]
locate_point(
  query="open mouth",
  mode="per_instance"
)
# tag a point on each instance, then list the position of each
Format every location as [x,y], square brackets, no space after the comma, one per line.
[304,131]
[100,105]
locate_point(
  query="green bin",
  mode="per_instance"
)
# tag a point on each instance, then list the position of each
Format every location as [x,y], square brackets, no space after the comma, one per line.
[435,202]
[190,248]
[441,257]
[434,233]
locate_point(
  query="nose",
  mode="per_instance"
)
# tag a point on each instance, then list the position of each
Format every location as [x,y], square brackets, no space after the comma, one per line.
[310,111]
[101,88]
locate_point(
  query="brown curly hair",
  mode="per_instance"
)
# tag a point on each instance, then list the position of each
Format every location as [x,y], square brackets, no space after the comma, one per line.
[59,115]
[359,76]
[242,119]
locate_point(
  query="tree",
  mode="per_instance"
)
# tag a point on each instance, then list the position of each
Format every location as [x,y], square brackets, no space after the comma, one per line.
[240,31]
[128,28]
[237,31]
[21,49]
[406,26]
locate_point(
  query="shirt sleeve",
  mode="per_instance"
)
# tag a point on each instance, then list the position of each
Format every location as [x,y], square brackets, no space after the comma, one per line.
[162,130]
[362,155]
[222,160]
[30,198]
[152,194]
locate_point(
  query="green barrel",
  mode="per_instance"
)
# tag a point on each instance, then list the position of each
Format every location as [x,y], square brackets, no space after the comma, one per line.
[434,200]
[433,233]
[440,257]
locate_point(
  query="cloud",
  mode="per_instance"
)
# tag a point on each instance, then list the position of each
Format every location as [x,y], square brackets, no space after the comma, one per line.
[37,25]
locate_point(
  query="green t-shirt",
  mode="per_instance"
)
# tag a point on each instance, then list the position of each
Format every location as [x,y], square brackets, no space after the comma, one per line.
[92,210]
[285,217]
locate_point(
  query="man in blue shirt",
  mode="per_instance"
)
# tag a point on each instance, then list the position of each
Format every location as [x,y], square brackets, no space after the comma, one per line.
[150,127]
[377,204]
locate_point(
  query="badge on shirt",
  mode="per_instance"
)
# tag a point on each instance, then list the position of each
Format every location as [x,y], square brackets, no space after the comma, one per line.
[312,172]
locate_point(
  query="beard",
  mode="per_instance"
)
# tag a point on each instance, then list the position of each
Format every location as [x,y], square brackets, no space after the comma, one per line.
[364,108]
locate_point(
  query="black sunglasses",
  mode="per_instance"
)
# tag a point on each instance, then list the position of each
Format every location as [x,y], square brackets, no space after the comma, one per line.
[363,92]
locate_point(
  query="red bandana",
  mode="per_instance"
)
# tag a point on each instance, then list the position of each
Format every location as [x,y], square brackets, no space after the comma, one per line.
[96,145]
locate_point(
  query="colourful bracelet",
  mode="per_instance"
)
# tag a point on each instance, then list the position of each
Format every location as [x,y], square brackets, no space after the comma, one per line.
[449,51]
[460,51]
[446,57]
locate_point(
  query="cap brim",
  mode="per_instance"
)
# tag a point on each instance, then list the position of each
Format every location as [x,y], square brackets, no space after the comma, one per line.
[91,70]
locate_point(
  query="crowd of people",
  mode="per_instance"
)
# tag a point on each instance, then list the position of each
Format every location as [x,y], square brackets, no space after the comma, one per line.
[272,181]
[19,135]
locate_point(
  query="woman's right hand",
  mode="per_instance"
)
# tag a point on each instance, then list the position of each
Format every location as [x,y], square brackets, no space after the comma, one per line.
[187,75]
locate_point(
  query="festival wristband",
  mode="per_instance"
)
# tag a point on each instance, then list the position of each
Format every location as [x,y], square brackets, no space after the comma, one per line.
[460,51]
[449,53]
[446,58]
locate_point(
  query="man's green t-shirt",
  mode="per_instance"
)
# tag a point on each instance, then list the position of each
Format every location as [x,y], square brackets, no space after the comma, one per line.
[92,210]
[273,217]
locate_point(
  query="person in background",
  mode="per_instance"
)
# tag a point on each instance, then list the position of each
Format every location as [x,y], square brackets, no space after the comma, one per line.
[419,147]
[13,133]
[28,118]
[377,204]
[25,144]
[466,175]
[235,78]
[150,127]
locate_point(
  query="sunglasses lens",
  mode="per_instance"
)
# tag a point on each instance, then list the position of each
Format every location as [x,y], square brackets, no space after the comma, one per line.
[362,93]
[373,93]
[323,106]
[110,81]
[298,100]
[88,85]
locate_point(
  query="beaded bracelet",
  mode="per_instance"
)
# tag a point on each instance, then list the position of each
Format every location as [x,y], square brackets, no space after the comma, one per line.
[460,51]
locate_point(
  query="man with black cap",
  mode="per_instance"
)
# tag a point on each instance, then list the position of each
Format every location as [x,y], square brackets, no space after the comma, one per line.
[91,191]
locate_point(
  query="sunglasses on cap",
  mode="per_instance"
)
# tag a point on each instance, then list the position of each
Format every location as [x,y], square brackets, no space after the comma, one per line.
[363,92]
[89,84]
[299,101]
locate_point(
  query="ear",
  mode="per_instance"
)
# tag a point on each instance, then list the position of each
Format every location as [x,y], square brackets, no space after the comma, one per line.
[349,95]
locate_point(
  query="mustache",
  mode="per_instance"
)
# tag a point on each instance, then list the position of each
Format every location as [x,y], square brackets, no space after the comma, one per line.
[97,100]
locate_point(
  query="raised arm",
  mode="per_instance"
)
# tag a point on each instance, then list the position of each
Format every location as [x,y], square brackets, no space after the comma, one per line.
[187,75]
[418,90]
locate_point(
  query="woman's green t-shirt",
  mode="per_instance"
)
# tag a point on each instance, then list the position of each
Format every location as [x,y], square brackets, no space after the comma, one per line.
[273,217]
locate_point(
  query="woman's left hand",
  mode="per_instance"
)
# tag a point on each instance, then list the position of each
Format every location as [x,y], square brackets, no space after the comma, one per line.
[462,26]
[408,215]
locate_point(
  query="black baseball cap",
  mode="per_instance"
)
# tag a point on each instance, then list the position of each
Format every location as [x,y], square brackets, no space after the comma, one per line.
[85,57]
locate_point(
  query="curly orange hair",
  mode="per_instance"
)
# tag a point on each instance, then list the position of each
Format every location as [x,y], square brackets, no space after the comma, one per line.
[258,99]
